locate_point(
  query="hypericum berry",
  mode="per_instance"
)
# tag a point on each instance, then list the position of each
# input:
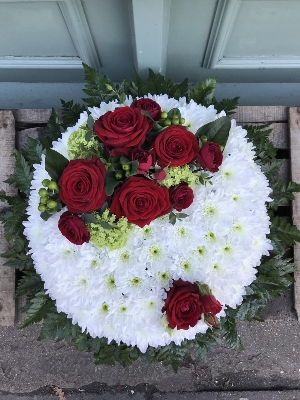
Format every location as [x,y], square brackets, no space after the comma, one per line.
[175,121]
[42,207]
[221,147]
[127,174]
[118,175]
[51,204]
[204,139]
[46,182]
[43,200]
[126,167]
[181,121]
[52,185]
[43,192]
[164,115]
[167,122]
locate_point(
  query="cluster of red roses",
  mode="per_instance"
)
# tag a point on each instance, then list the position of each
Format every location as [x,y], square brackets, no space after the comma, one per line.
[185,305]
[124,132]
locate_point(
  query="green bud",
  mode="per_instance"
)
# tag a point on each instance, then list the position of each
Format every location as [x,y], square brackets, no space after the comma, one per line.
[51,204]
[175,121]
[42,208]
[167,122]
[53,185]
[127,174]
[118,175]
[204,139]
[164,115]
[43,200]
[221,147]
[46,182]
[126,167]
[181,121]
[43,192]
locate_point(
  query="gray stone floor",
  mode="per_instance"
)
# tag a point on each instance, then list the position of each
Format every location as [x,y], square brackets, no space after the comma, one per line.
[268,368]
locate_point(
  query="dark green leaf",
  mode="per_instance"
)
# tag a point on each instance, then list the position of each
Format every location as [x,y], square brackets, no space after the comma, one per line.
[38,308]
[110,182]
[227,105]
[89,218]
[55,164]
[106,225]
[203,93]
[23,174]
[216,131]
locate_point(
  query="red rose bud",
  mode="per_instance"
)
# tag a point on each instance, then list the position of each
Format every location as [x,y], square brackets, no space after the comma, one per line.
[211,304]
[210,156]
[181,196]
[160,174]
[211,319]
[183,305]
[149,105]
[175,146]
[73,228]
[141,201]
[125,127]
[82,185]
[144,158]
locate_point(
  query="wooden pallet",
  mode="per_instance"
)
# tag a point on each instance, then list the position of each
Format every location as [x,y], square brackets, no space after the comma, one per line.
[16,125]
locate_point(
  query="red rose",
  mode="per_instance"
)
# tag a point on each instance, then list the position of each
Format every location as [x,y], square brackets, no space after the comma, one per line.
[149,105]
[210,156]
[176,146]
[211,305]
[82,185]
[141,201]
[183,305]
[144,158]
[181,196]
[73,228]
[125,127]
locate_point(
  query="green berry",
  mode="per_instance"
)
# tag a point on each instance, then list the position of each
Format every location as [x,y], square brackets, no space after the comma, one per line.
[164,115]
[51,204]
[53,185]
[126,167]
[42,208]
[167,122]
[46,182]
[43,192]
[118,175]
[181,121]
[43,200]
[127,174]
[221,147]
[204,139]
[175,121]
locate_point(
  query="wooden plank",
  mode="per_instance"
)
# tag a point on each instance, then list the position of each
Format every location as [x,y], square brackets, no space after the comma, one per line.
[261,114]
[285,171]
[21,136]
[279,135]
[7,274]
[294,122]
[35,116]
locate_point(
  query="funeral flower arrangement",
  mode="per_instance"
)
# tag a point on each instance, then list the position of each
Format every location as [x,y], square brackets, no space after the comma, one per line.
[144,222]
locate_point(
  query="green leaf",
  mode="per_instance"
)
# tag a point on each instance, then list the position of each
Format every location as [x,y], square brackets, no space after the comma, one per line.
[45,215]
[56,326]
[216,131]
[95,87]
[55,164]
[106,225]
[89,218]
[29,283]
[122,98]
[227,105]
[70,113]
[110,182]
[134,166]
[181,215]
[172,218]
[174,112]
[13,220]
[32,151]
[38,308]
[203,93]
[288,233]
[54,130]
[23,174]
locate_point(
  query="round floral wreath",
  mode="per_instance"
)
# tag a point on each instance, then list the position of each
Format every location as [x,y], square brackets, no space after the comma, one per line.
[151,231]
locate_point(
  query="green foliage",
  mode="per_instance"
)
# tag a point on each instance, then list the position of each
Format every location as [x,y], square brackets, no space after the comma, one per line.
[38,308]
[70,113]
[283,193]
[203,93]
[216,131]
[227,105]
[32,151]
[95,87]
[283,230]
[228,331]
[259,136]
[17,253]
[12,220]
[22,176]
[55,164]
[54,130]
[171,354]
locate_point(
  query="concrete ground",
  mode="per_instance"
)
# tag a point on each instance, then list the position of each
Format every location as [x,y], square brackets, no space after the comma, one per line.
[268,368]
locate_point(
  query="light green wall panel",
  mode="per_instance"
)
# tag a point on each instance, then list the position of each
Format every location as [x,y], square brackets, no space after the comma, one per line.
[266,28]
[34,29]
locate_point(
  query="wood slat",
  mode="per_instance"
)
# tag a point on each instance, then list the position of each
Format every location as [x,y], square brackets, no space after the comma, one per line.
[261,114]
[37,116]
[294,121]
[7,274]
[21,136]
[279,135]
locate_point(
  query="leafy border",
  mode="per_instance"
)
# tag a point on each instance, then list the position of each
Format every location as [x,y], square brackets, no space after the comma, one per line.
[274,273]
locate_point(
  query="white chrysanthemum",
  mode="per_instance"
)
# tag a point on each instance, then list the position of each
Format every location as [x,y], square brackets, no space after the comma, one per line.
[120,294]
